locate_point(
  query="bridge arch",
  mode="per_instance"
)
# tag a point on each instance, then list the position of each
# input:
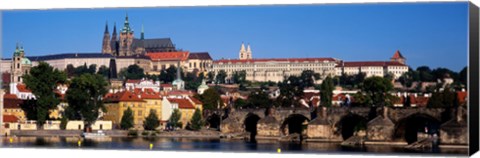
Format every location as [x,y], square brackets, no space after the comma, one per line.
[250,124]
[350,123]
[407,128]
[214,120]
[294,123]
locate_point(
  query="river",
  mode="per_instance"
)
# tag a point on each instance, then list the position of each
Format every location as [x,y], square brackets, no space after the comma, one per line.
[193,144]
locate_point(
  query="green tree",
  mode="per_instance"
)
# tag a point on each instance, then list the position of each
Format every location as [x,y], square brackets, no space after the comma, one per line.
[174,119]
[221,76]
[63,123]
[239,77]
[240,103]
[127,119]
[196,122]
[151,122]
[326,92]
[211,99]
[104,71]
[308,78]
[290,91]
[70,70]
[377,88]
[133,72]
[211,75]
[42,81]
[258,99]
[443,99]
[84,97]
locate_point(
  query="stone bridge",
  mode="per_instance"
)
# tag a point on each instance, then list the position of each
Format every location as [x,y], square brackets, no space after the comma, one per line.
[340,123]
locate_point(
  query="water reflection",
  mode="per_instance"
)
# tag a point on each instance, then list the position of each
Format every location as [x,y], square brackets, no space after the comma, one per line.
[189,144]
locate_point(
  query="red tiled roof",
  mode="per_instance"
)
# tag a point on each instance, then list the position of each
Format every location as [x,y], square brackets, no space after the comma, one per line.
[10,96]
[370,63]
[195,100]
[11,103]
[10,118]
[180,92]
[123,96]
[168,56]
[398,55]
[166,85]
[182,103]
[133,81]
[147,93]
[23,88]
[274,60]
[461,96]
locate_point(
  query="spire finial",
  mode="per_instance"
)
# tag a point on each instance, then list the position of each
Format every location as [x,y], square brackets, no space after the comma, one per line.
[106,27]
[142,34]
[242,48]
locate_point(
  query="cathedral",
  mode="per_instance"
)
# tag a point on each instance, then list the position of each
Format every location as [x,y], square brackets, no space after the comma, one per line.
[128,45]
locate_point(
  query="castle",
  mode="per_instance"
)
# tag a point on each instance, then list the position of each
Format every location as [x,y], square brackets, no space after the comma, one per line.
[128,45]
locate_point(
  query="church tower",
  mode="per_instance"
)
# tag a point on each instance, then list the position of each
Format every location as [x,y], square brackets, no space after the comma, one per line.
[114,41]
[245,54]
[16,75]
[126,39]
[242,55]
[249,52]
[106,45]
[398,57]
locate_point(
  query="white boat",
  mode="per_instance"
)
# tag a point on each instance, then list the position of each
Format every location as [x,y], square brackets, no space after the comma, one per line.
[99,134]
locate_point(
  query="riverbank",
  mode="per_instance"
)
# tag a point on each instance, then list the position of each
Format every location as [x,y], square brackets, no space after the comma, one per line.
[118,133]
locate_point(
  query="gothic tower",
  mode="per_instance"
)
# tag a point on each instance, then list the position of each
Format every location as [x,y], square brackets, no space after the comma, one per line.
[106,45]
[114,41]
[126,39]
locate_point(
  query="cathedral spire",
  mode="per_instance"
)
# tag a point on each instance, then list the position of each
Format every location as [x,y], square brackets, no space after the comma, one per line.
[126,25]
[248,48]
[106,27]
[142,36]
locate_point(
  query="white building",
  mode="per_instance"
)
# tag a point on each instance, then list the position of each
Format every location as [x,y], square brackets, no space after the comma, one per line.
[143,84]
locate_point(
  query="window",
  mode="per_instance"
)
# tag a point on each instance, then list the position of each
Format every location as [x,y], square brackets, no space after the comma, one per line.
[139,112]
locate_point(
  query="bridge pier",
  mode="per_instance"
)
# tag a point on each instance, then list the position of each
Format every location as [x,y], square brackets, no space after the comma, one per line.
[380,128]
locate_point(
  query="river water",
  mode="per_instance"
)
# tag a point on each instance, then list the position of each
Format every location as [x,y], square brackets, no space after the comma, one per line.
[202,144]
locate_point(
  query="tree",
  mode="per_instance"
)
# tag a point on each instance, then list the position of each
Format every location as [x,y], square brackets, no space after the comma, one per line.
[221,76]
[443,99]
[196,122]
[258,99]
[127,119]
[377,88]
[290,91]
[29,106]
[151,122]
[308,78]
[240,103]
[70,70]
[239,77]
[84,97]
[326,92]
[211,99]
[104,71]
[211,75]
[63,123]
[133,72]
[175,118]
[42,81]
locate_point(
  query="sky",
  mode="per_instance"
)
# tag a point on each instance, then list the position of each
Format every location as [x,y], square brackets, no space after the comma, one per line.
[432,34]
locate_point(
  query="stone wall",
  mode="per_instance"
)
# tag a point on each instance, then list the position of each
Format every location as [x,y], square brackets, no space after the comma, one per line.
[268,127]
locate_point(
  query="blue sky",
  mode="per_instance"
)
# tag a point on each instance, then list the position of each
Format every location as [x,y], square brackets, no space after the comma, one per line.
[433,34]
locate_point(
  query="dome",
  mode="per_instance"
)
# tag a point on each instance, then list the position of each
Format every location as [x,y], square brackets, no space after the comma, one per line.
[203,85]
[26,61]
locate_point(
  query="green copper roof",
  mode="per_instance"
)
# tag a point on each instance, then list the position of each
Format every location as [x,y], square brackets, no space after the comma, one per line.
[26,61]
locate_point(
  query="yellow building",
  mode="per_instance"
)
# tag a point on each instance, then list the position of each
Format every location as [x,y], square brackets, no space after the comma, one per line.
[12,107]
[117,103]
[186,108]
[153,101]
